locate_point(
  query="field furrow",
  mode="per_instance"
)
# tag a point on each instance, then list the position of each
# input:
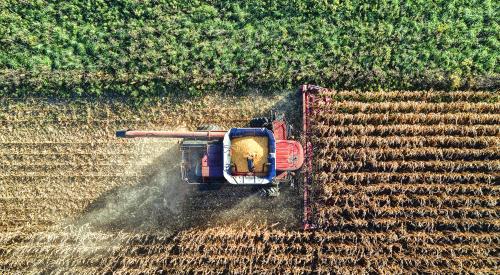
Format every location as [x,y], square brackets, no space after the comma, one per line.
[404,96]
[410,154]
[407,178]
[351,107]
[405,130]
[335,118]
[332,142]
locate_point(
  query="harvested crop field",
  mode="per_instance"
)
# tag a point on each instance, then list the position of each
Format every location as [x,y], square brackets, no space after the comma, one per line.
[403,181]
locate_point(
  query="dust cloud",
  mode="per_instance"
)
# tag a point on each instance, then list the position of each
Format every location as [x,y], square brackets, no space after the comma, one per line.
[150,203]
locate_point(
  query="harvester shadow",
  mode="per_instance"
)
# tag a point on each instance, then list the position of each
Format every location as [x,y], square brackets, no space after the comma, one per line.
[160,201]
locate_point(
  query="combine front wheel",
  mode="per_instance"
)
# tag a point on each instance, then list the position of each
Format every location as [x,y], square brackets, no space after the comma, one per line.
[261,122]
[209,186]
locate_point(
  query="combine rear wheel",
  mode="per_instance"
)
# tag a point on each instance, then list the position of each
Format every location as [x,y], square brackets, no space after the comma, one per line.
[269,191]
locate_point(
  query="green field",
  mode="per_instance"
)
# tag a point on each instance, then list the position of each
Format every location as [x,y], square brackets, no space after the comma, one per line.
[143,49]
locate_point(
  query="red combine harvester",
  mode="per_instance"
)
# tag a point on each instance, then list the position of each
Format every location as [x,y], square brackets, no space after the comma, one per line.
[211,156]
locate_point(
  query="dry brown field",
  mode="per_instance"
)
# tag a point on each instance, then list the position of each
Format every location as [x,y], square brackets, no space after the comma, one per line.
[403,182]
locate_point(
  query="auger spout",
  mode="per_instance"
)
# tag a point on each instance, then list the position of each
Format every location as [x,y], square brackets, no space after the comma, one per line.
[202,135]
